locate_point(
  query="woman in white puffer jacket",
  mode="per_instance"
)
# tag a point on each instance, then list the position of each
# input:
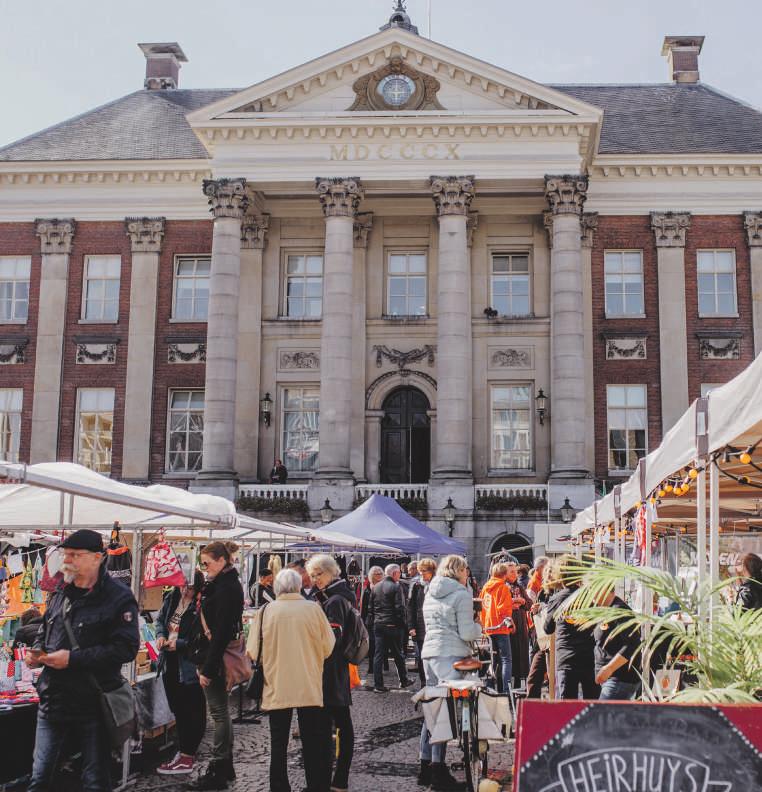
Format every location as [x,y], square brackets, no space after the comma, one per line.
[448,613]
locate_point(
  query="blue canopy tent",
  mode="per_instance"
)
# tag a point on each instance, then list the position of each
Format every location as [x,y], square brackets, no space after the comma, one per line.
[382,519]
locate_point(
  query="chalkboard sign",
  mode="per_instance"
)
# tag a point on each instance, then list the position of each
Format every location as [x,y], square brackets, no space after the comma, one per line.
[631,747]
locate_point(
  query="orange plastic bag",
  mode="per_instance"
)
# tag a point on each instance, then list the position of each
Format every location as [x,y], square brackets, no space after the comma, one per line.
[354,677]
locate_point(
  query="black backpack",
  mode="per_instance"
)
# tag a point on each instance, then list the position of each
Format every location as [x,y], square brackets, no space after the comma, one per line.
[356,642]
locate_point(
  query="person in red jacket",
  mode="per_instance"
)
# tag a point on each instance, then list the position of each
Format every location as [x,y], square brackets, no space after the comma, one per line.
[497,606]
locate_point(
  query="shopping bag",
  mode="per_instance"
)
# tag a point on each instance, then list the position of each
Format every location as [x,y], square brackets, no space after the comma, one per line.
[354,677]
[162,567]
[438,712]
[493,715]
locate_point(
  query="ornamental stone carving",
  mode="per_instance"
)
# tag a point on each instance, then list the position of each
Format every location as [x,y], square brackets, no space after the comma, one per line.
[472,223]
[12,351]
[511,358]
[625,348]
[302,360]
[254,230]
[423,95]
[547,223]
[96,353]
[402,359]
[190,352]
[227,197]
[566,194]
[589,227]
[145,233]
[670,227]
[55,235]
[752,222]
[362,227]
[719,348]
[339,197]
[452,194]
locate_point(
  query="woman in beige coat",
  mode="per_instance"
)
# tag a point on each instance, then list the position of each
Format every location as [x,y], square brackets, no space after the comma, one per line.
[296,640]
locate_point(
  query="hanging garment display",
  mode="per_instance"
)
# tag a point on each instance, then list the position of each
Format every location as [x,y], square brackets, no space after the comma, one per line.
[27,584]
[15,564]
[119,563]
[162,567]
[51,570]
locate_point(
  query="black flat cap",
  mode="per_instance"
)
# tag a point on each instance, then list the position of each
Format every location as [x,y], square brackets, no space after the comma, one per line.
[84,539]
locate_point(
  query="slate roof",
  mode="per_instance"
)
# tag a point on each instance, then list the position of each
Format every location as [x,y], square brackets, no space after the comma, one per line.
[638,119]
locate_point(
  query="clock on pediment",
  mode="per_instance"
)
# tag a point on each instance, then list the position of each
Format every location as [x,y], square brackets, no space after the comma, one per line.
[396,86]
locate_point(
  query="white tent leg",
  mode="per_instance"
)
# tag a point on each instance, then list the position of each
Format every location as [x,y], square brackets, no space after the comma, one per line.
[714,529]
[701,537]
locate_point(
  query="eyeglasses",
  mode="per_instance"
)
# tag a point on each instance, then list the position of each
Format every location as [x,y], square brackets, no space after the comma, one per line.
[202,565]
[75,553]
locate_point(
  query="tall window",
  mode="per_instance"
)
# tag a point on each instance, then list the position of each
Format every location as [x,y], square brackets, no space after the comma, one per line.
[627,422]
[716,282]
[304,286]
[624,283]
[511,427]
[10,423]
[185,431]
[510,284]
[95,422]
[14,288]
[300,424]
[101,292]
[406,284]
[191,293]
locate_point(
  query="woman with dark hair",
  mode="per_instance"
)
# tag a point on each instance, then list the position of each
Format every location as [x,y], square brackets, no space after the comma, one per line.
[221,622]
[750,592]
[177,625]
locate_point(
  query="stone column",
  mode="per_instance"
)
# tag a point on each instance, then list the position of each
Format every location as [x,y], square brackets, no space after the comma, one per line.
[228,201]
[253,240]
[669,230]
[339,199]
[568,370]
[146,236]
[589,227]
[452,197]
[55,244]
[753,224]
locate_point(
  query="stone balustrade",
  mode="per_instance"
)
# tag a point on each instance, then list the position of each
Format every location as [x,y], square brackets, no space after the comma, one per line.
[511,491]
[396,491]
[273,491]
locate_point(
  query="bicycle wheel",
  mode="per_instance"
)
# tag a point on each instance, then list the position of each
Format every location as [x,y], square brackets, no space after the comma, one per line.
[474,758]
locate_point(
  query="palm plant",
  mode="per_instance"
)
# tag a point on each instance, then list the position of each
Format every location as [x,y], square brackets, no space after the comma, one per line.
[718,646]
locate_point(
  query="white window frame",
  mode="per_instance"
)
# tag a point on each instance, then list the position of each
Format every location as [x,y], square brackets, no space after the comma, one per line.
[714,252]
[510,274]
[78,427]
[304,254]
[302,472]
[493,386]
[183,472]
[195,257]
[86,280]
[621,254]
[624,471]
[16,279]
[407,275]
[10,423]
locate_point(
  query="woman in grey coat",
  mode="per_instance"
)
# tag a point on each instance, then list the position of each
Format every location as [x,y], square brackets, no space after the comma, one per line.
[448,614]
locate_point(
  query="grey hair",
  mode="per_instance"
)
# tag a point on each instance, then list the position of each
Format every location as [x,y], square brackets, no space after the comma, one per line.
[450,566]
[391,569]
[287,581]
[375,570]
[322,562]
[540,560]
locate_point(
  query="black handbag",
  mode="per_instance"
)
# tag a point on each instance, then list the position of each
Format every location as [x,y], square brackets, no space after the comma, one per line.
[117,706]
[256,687]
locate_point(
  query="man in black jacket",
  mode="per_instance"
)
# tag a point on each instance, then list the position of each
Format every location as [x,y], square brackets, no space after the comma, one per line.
[103,616]
[387,612]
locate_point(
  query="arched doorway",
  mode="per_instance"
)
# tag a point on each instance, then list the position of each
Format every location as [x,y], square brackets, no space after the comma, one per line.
[509,543]
[405,438]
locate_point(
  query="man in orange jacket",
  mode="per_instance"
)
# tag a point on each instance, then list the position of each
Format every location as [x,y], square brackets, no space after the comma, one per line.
[497,605]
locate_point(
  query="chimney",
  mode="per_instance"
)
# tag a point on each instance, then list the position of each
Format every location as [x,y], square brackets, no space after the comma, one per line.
[682,55]
[163,61]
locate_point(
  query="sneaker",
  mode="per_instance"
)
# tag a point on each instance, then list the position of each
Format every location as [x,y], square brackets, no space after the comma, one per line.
[381,690]
[406,683]
[180,765]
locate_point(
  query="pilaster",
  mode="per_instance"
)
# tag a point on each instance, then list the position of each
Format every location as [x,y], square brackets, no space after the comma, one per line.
[589,225]
[669,233]
[753,224]
[363,225]
[56,237]
[146,235]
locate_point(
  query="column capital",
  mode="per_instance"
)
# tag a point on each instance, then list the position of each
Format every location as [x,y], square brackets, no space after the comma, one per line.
[452,194]
[670,227]
[55,235]
[145,233]
[362,227]
[566,194]
[752,222]
[254,230]
[589,227]
[339,197]
[227,197]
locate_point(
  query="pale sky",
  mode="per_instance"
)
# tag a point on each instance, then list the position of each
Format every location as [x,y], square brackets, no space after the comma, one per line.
[59,58]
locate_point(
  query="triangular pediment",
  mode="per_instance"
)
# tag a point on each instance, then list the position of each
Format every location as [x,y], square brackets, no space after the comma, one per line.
[432,78]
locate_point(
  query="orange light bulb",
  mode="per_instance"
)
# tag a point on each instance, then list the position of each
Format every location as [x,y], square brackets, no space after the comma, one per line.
[745,458]
[668,488]
[693,473]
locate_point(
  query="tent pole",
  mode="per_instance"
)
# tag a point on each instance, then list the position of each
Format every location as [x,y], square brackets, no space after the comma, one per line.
[701,537]
[714,532]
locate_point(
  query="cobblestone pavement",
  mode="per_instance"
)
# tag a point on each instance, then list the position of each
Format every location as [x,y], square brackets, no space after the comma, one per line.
[387,732]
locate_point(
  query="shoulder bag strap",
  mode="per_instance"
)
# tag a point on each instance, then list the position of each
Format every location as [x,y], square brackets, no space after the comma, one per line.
[204,626]
[73,641]
[261,629]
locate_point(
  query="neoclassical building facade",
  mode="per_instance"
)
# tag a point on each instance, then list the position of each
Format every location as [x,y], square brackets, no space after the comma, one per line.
[396,268]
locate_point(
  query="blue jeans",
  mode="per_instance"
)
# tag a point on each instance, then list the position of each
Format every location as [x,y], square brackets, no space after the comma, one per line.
[437,670]
[614,690]
[89,737]
[501,644]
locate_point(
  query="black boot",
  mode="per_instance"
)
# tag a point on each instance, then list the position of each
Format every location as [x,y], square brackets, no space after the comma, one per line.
[228,768]
[213,778]
[443,781]
[424,774]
